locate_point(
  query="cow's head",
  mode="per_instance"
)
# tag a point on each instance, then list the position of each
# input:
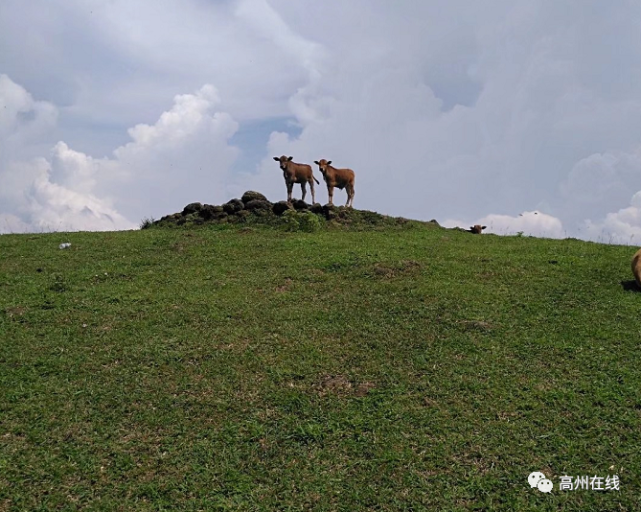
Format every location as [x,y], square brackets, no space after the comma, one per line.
[477,229]
[283,161]
[322,164]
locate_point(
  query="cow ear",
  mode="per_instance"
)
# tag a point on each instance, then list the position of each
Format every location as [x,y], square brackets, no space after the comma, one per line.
[483,227]
[316,162]
[290,158]
[276,158]
[329,163]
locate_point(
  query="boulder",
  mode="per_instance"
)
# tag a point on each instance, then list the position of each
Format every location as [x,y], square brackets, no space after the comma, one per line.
[234,206]
[192,208]
[281,207]
[209,211]
[258,204]
[330,211]
[316,208]
[299,204]
[250,195]
[173,218]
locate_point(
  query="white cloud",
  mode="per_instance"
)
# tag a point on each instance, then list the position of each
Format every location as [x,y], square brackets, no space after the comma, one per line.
[261,17]
[183,157]
[533,110]
[23,121]
[600,181]
[532,223]
[445,109]
[622,227]
[12,224]
[58,208]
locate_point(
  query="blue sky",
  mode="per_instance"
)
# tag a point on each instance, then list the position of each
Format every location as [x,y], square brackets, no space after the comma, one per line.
[523,115]
[251,138]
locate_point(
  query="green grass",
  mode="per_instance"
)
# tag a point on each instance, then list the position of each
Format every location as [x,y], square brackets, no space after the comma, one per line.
[405,368]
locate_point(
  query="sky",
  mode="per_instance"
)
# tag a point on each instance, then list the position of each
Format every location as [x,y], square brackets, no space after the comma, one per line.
[522,115]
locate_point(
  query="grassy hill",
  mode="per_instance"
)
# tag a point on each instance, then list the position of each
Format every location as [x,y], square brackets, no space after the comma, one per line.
[386,365]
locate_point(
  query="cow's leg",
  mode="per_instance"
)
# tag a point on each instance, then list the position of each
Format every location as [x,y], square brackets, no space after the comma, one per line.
[303,186]
[350,196]
[311,186]
[330,193]
[290,187]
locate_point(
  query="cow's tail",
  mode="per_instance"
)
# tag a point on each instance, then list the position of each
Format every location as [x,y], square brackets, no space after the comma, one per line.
[317,182]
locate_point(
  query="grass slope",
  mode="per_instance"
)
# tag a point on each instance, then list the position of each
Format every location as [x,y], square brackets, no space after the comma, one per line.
[247,368]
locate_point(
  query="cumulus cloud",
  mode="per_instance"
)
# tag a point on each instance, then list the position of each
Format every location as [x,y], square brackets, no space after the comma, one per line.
[181,158]
[532,223]
[56,207]
[24,122]
[12,224]
[445,109]
[114,64]
[600,181]
[622,227]
[538,93]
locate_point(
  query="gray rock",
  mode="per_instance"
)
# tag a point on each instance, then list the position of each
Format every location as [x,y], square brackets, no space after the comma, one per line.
[316,208]
[299,204]
[258,204]
[209,211]
[234,206]
[250,195]
[192,208]
[281,207]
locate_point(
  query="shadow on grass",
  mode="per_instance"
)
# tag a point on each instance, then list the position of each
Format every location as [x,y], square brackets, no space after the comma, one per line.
[630,286]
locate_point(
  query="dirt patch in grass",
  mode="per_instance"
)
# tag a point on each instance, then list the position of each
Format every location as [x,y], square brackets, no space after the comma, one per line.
[341,385]
[287,284]
[390,270]
[15,311]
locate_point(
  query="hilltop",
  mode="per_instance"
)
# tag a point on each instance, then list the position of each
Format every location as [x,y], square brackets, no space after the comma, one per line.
[254,208]
[254,366]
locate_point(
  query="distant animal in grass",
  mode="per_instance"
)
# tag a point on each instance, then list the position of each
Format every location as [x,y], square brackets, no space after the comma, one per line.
[297,173]
[476,229]
[636,267]
[341,178]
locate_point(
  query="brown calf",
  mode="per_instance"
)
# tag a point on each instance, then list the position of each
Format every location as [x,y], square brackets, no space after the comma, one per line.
[297,173]
[341,178]
[476,229]
[636,267]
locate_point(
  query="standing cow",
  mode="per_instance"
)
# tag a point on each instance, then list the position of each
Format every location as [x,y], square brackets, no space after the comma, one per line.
[297,173]
[341,178]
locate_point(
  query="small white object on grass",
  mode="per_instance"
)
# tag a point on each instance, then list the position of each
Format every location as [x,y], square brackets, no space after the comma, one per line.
[65,245]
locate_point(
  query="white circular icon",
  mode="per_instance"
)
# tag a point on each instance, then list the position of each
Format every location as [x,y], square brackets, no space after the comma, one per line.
[535,477]
[545,485]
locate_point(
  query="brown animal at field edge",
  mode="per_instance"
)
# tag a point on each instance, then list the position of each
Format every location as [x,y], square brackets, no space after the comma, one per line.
[636,267]
[476,229]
